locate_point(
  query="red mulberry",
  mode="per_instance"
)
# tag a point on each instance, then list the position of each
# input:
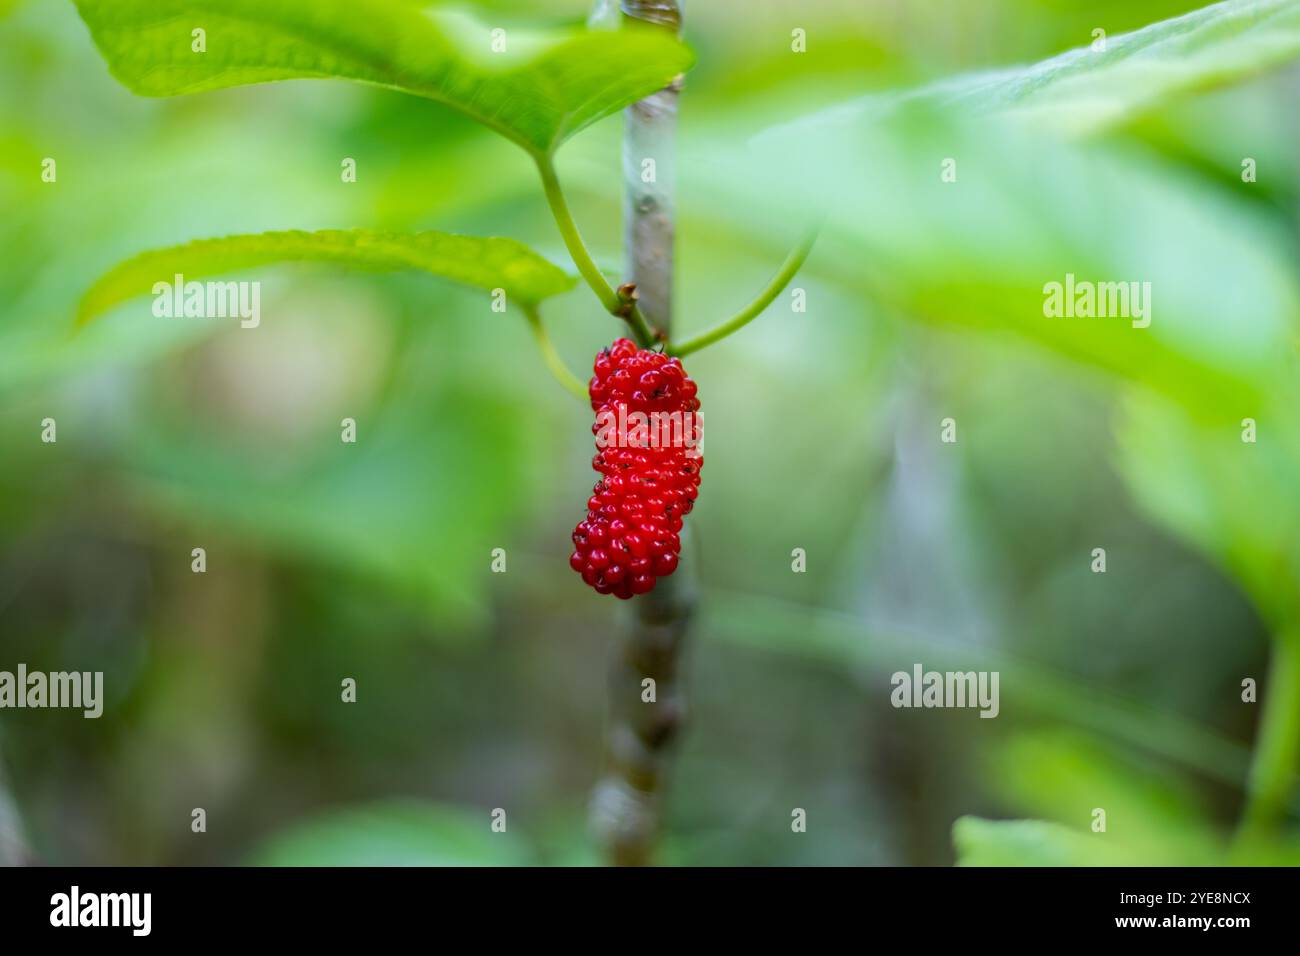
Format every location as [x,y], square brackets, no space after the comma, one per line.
[647,432]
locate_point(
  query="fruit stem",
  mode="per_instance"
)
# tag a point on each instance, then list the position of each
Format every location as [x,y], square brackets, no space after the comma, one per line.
[1277,746]
[552,357]
[793,262]
[613,303]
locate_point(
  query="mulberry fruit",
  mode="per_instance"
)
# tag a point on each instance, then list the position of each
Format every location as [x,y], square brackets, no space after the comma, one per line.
[648,433]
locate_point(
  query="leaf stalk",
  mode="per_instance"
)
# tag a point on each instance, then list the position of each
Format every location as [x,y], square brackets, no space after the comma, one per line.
[793,262]
[552,358]
[613,303]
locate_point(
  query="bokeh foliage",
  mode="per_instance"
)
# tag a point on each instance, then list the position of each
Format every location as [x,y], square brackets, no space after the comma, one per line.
[478,690]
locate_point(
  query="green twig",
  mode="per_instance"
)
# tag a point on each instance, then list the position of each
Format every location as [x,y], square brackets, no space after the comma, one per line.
[552,357]
[793,262]
[623,306]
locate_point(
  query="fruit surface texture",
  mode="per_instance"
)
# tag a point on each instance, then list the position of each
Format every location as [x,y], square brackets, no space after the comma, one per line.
[648,431]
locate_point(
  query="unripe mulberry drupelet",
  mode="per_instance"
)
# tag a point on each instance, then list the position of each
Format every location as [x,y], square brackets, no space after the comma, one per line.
[647,436]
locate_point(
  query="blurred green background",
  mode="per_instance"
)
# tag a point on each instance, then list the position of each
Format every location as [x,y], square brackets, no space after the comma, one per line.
[479,690]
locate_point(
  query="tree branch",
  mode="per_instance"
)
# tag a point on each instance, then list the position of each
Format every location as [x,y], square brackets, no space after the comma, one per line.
[627,806]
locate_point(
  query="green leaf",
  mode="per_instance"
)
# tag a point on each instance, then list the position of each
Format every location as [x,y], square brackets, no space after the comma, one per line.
[1041,843]
[395,833]
[1088,90]
[526,277]
[540,91]
[1063,775]
[1237,502]
[1022,209]
[1215,271]
[1151,817]
[1034,843]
